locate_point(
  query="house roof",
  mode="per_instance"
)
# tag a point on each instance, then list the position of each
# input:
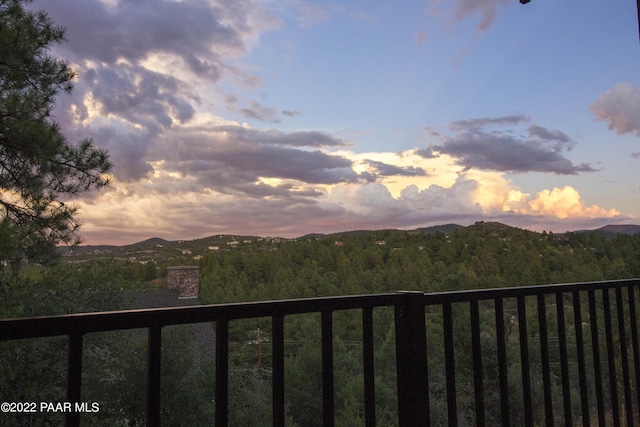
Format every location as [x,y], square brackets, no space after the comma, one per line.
[204,334]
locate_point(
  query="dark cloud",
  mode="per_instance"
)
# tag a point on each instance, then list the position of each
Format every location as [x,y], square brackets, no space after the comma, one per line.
[312,167]
[141,60]
[384,169]
[636,155]
[255,110]
[138,95]
[549,135]
[128,149]
[488,10]
[277,137]
[289,191]
[260,112]
[195,31]
[142,65]
[481,123]
[620,107]
[427,153]
[291,113]
[234,160]
[476,146]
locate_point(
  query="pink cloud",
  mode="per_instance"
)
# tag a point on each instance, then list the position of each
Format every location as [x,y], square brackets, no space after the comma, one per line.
[620,108]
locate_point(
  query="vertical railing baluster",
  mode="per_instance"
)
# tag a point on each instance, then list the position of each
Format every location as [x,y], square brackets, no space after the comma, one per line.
[477,364]
[74,378]
[611,356]
[582,373]
[368,367]
[595,349]
[502,363]
[564,360]
[633,320]
[222,373]
[154,368]
[544,359]
[450,367]
[524,362]
[277,349]
[327,369]
[626,379]
[411,352]
[411,361]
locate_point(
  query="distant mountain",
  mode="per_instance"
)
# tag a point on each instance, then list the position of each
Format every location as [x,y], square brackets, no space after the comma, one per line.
[611,230]
[621,228]
[153,242]
[158,247]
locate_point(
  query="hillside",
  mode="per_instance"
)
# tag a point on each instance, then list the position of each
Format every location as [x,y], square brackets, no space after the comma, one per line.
[157,248]
[609,231]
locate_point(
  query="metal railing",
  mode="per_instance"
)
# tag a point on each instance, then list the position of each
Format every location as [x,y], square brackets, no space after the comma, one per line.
[603,314]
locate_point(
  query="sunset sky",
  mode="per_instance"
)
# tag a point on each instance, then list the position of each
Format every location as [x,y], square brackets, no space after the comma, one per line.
[281,118]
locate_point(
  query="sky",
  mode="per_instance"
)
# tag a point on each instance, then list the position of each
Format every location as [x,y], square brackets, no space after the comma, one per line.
[288,117]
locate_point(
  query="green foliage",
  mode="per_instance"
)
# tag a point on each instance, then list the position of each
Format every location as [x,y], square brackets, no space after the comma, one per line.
[480,256]
[38,166]
[484,255]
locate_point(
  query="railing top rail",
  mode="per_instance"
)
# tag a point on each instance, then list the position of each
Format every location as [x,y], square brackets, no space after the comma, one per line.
[82,323]
[493,293]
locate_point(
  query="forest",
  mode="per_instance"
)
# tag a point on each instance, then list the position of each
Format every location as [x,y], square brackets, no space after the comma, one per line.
[483,255]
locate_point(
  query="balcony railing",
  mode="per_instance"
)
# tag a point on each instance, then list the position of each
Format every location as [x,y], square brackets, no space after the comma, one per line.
[596,333]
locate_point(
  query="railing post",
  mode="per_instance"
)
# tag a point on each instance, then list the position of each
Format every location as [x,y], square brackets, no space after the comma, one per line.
[328,405]
[154,372]
[369,368]
[278,416]
[74,380]
[411,360]
[222,373]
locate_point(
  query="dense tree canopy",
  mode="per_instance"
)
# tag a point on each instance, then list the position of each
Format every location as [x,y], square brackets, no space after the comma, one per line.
[39,168]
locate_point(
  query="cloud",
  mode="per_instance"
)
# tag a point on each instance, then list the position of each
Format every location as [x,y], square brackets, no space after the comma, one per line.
[620,107]
[308,14]
[564,203]
[239,160]
[167,206]
[136,64]
[463,9]
[492,195]
[199,32]
[480,123]
[146,83]
[385,169]
[138,95]
[460,197]
[488,10]
[277,137]
[254,110]
[128,148]
[475,145]
[291,113]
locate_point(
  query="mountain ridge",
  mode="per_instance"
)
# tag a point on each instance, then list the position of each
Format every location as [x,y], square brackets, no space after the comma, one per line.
[152,243]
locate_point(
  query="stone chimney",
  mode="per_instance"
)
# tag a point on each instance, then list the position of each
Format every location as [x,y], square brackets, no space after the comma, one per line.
[184,279]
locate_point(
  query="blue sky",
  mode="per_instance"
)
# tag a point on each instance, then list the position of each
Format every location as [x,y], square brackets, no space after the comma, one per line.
[290,117]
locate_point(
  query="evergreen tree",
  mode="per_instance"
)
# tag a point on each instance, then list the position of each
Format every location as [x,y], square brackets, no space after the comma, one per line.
[38,166]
